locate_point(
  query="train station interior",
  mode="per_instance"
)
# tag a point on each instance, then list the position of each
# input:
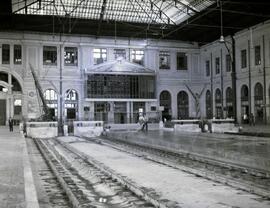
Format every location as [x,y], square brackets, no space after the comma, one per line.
[178,88]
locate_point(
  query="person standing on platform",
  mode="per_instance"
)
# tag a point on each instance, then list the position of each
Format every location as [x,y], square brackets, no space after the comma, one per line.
[252,120]
[10,123]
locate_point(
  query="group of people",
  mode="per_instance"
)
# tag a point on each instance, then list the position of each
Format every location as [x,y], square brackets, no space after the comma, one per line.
[249,119]
[143,120]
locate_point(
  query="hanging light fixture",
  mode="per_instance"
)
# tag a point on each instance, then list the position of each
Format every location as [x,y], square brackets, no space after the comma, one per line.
[5,89]
[221,39]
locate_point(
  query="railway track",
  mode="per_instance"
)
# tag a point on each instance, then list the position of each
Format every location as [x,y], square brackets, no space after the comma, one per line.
[245,178]
[89,184]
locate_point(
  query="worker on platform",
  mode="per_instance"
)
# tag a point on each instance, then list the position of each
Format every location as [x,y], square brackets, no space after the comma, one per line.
[10,123]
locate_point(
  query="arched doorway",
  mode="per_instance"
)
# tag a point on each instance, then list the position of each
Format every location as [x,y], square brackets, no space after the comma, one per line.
[218,104]
[71,104]
[165,100]
[258,102]
[229,102]
[51,98]
[208,104]
[244,104]
[182,105]
[10,98]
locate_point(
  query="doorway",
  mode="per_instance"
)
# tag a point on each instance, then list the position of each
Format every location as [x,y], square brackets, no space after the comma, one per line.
[2,112]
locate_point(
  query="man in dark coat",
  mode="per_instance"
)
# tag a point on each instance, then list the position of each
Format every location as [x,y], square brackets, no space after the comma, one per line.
[10,123]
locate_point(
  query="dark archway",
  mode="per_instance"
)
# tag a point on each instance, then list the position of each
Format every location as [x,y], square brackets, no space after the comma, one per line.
[229,102]
[208,104]
[258,102]
[182,105]
[165,100]
[244,104]
[218,104]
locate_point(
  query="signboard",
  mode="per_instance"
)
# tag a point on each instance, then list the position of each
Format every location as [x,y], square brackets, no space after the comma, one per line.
[161,108]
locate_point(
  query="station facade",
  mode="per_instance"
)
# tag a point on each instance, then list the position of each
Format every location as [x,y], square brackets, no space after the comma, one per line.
[110,79]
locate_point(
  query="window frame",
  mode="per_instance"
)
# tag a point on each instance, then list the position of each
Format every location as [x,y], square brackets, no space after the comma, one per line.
[217,65]
[135,53]
[5,54]
[71,49]
[117,55]
[17,54]
[166,54]
[257,55]
[53,53]
[100,52]
[228,63]
[207,68]
[243,54]
[184,65]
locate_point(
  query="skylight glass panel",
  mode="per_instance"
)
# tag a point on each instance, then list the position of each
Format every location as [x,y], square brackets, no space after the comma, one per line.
[169,12]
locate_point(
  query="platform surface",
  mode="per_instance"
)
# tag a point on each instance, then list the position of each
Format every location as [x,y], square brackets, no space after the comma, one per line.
[16,184]
[186,189]
[247,151]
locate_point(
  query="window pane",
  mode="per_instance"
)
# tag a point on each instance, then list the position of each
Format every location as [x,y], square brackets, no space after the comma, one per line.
[182,61]
[164,60]
[137,56]
[5,54]
[217,66]
[228,63]
[257,55]
[71,56]
[100,55]
[207,68]
[119,53]
[243,58]
[49,55]
[17,54]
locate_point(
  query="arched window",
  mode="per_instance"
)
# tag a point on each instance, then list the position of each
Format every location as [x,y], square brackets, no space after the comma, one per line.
[165,100]
[71,104]
[51,97]
[258,101]
[208,104]
[244,104]
[182,105]
[218,103]
[16,85]
[229,102]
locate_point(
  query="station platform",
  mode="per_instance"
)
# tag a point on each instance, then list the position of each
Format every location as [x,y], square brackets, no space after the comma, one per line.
[247,151]
[17,187]
[257,130]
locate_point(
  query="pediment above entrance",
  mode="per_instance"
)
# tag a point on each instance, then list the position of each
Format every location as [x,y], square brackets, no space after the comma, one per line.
[119,66]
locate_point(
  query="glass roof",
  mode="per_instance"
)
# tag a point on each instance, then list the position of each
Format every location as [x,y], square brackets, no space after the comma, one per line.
[171,12]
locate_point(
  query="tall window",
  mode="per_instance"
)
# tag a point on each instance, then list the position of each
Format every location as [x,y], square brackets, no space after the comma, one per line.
[217,62]
[5,54]
[181,61]
[228,63]
[71,56]
[257,55]
[137,56]
[17,54]
[49,55]
[243,58]
[207,68]
[164,60]
[100,55]
[120,53]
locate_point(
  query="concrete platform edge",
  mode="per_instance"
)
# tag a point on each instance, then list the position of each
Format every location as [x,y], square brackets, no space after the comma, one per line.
[31,199]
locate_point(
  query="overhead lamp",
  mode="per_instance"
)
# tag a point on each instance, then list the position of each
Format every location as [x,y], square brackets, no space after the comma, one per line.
[221,39]
[5,89]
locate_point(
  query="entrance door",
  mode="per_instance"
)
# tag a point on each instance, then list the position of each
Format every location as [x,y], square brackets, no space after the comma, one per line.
[2,112]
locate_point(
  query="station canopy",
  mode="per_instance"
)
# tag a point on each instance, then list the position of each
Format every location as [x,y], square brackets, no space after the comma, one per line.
[169,12]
